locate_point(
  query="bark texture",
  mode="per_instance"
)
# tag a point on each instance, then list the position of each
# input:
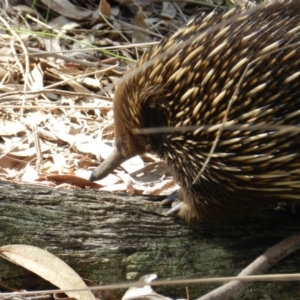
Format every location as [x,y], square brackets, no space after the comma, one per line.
[114,238]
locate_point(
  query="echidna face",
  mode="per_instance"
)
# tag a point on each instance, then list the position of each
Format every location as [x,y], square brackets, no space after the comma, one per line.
[127,144]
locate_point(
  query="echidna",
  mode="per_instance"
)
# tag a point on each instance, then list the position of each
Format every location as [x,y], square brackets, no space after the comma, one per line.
[241,68]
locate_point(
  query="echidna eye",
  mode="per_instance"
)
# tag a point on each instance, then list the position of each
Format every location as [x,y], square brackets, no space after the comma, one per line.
[152,105]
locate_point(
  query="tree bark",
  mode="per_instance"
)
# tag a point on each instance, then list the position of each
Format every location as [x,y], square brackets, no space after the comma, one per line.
[115,238]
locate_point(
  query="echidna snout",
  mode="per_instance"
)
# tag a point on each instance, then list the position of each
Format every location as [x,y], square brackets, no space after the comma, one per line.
[107,166]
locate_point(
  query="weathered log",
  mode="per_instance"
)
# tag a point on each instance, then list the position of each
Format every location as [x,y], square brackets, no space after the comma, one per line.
[114,238]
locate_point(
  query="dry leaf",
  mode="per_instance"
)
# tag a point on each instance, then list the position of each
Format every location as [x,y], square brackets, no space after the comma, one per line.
[144,292]
[37,77]
[168,10]
[48,266]
[137,35]
[63,23]
[30,174]
[70,179]
[8,127]
[30,151]
[105,8]
[7,162]
[84,144]
[67,9]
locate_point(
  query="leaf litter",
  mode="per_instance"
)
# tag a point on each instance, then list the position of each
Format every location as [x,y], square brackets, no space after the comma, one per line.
[59,65]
